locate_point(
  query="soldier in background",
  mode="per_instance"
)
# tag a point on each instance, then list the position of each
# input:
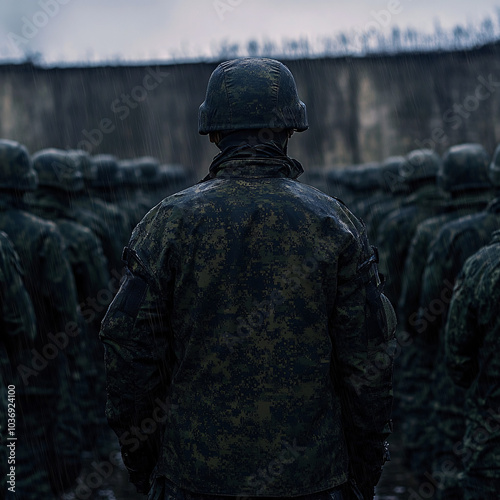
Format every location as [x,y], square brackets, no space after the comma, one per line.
[464,175]
[394,236]
[59,180]
[454,243]
[18,331]
[472,343]
[98,201]
[283,343]
[47,434]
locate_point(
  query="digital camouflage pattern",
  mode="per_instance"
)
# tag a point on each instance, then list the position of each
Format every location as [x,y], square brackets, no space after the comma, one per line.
[251,93]
[414,366]
[454,243]
[472,343]
[396,232]
[18,329]
[252,325]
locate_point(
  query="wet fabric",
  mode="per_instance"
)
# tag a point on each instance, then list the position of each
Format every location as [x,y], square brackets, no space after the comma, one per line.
[252,325]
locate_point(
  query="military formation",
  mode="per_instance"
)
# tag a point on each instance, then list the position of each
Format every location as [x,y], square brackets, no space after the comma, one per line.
[435,221]
[65,218]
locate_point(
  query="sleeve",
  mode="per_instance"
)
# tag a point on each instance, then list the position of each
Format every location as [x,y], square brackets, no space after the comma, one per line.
[136,336]
[364,326]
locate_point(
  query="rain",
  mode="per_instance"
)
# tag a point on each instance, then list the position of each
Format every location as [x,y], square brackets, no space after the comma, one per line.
[99,105]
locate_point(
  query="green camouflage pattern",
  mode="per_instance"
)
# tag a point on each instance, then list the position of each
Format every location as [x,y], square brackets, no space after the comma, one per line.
[412,387]
[453,244]
[464,167]
[396,232]
[57,169]
[16,169]
[252,325]
[251,93]
[472,337]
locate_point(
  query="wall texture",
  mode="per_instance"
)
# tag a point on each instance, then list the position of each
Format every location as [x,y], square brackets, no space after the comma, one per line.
[360,109]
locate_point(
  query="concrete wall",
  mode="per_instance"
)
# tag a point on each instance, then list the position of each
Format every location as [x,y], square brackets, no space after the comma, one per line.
[360,109]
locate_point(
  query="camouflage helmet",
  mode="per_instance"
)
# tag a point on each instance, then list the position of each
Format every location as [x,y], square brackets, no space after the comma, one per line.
[106,173]
[16,168]
[363,177]
[58,169]
[419,165]
[149,170]
[389,178]
[251,93]
[84,163]
[464,167]
[130,174]
[494,169]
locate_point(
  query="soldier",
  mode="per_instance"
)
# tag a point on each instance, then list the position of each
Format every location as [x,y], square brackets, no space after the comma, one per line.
[252,305]
[471,345]
[50,284]
[102,178]
[93,213]
[464,175]
[394,236]
[59,180]
[18,329]
[394,192]
[454,243]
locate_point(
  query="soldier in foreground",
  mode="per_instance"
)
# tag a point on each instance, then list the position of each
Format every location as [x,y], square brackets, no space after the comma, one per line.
[249,348]
[472,341]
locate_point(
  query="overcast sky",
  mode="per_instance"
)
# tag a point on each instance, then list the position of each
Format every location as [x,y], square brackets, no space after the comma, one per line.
[66,31]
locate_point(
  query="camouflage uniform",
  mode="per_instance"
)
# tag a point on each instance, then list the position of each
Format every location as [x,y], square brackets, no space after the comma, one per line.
[52,201]
[51,287]
[18,328]
[470,190]
[395,233]
[454,243]
[251,328]
[104,218]
[472,345]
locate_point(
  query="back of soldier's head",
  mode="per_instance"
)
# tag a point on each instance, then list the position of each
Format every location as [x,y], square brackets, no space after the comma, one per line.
[464,168]
[16,169]
[58,170]
[419,168]
[251,93]
[389,178]
[106,172]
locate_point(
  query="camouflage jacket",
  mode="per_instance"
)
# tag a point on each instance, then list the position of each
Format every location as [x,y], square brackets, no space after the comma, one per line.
[253,307]
[454,243]
[472,341]
[414,268]
[395,234]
